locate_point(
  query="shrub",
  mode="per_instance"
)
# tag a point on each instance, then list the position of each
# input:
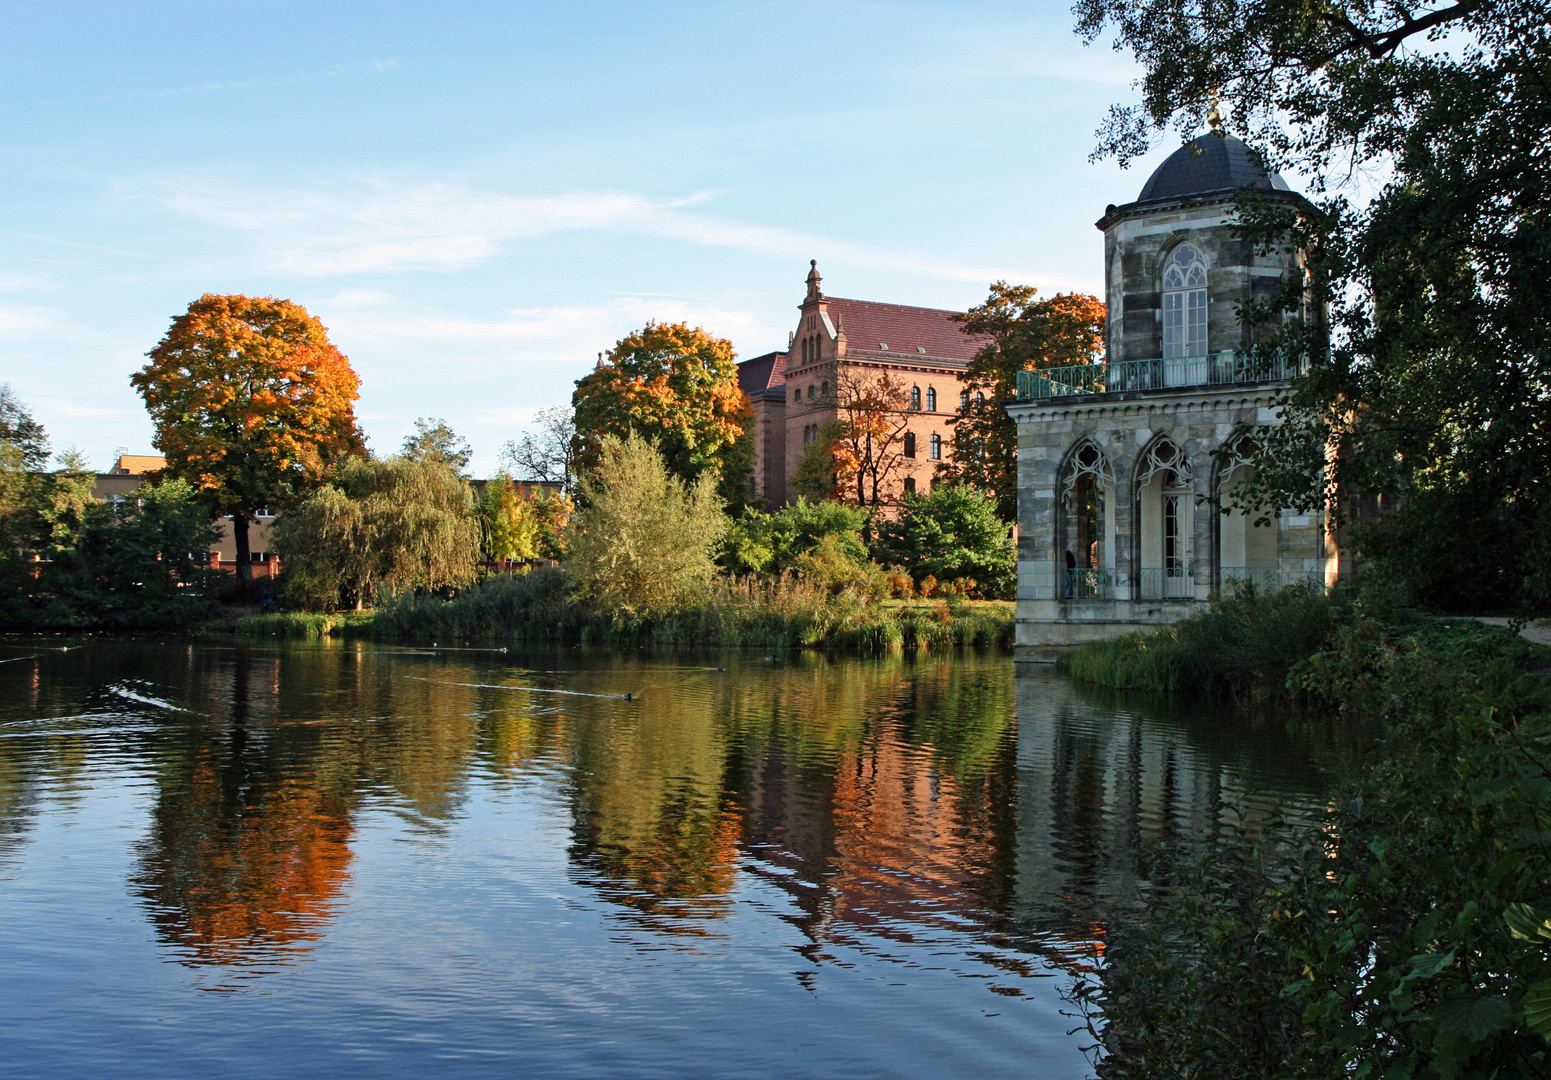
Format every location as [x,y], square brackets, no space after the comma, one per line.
[952,534]
[643,544]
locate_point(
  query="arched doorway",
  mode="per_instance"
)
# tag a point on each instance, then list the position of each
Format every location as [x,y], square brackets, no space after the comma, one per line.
[1165,523]
[1247,540]
[1087,533]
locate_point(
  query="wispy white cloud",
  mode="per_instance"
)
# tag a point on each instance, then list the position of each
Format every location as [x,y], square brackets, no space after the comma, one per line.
[373,226]
[17,321]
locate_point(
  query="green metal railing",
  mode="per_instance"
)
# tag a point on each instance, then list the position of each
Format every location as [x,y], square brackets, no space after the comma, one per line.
[1213,369]
[1089,585]
[1166,583]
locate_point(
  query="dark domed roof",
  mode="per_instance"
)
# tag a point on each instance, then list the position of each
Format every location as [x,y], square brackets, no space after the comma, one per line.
[1210,163]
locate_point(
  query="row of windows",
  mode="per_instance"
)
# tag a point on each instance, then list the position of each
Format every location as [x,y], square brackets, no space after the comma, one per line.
[822,389]
[934,446]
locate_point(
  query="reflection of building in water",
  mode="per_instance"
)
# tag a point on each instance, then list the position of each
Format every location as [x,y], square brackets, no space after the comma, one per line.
[1104,793]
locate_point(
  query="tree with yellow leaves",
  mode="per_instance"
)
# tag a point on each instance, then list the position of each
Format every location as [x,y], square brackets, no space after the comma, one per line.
[251,403]
[675,386]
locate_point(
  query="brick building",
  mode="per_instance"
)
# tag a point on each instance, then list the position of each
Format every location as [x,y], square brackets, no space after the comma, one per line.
[794,393]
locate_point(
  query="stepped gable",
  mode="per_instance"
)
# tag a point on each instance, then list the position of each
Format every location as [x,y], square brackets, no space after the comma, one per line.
[763,375]
[899,332]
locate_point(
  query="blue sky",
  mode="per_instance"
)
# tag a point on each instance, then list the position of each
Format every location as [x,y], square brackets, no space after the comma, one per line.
[477,198]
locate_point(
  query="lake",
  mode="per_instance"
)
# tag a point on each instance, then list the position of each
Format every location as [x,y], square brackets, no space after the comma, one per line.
[348,859]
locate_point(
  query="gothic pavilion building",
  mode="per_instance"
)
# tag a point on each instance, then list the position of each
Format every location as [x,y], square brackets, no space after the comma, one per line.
[1121,464]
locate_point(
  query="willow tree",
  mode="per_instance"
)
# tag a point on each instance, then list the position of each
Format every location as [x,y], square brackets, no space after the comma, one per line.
[644,542]
[251,404]
[392,525]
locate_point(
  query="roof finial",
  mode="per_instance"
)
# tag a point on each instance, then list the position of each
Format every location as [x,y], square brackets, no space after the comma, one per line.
[814,280]
[1213,112]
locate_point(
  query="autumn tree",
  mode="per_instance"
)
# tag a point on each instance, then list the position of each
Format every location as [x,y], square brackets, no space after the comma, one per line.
[379,525]
[435,441]
[675,386]
[521,523]
[251,404]
[867,439]
[1023,333]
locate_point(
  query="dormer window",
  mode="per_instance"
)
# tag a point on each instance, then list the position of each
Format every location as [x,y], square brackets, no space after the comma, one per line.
[884,345]
[1184,303]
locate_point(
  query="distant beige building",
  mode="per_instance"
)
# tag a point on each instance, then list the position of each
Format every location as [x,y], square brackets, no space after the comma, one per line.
[131,470]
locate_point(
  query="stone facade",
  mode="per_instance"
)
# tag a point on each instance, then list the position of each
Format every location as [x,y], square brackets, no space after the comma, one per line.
[1124,466]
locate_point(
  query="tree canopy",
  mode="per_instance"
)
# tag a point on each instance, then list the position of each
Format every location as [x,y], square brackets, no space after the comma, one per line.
[1432,379]
[644,542]
[951,534]
[672,384]
[435,441]
[548,452]
[1025,333]
[379,525]
[251,404]
[20,434]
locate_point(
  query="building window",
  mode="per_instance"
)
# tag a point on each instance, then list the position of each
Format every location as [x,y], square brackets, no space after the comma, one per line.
[797,394]
[824,388]
[910,485]
[963,400]
[936,447]
[931,399]
[910,444]
[1184,303]
[915,397]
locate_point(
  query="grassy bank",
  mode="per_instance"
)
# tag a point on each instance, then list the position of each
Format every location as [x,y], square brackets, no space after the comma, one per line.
[536,608]
[1409,935]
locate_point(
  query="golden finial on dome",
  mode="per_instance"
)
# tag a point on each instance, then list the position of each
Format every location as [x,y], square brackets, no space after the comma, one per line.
[1213,112]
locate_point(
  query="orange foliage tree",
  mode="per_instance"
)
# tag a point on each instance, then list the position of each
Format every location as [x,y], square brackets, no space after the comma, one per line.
[867,439]
[1025,334]
[251,404]
[673,384]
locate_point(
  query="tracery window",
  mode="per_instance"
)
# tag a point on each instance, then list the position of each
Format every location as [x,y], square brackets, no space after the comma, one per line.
[1184,303]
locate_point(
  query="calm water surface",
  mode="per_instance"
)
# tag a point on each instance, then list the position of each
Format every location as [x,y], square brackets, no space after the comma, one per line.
[317,860]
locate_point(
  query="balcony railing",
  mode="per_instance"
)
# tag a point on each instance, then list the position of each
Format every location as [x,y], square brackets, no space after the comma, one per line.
[1268,578]
[1213,369]
[1089,584]
[1166,583]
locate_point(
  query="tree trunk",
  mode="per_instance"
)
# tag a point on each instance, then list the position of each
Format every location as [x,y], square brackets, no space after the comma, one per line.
[244,558]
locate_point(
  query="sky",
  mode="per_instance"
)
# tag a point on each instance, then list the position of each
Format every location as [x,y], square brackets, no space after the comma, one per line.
[476,199]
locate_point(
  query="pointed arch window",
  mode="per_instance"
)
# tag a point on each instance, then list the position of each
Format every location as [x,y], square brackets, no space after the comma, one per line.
[1184,303]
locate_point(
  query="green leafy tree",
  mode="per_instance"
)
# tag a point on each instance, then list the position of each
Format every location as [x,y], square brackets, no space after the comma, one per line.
[21,432]
[436,442]
[251,403]
[396,525]
[673,385]
[519,524]
[644,541]
[1430,375]
[952,534]
[1022,333]
[142,564]
[759,543]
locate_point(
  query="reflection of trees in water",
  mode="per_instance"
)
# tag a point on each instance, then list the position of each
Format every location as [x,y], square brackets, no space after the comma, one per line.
[248,850]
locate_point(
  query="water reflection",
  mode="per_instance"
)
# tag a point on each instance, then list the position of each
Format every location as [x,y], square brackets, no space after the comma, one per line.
[925,813]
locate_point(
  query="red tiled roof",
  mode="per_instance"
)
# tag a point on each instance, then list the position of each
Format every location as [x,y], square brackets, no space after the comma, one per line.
[906,331]
[762,374]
